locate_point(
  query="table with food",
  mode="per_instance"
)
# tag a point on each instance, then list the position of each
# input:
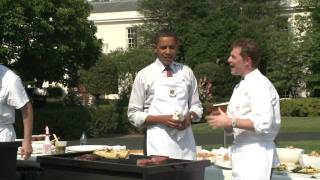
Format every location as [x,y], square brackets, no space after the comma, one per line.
[107,162]
[211,164]
[294,164]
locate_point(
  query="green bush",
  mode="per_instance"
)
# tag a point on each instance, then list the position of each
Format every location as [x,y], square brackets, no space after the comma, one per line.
[69,122]
[54,92]
[102,78]
[221,80]
[103,120]
[124,126]
[65,122]
[301,107]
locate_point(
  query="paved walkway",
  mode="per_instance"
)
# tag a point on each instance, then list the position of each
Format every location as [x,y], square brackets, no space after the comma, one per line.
[136,141]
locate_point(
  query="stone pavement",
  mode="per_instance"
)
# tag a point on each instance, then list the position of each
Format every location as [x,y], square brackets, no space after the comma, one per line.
[136,141]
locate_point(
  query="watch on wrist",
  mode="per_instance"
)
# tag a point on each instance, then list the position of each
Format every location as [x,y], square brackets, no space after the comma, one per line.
[234,122]
[192,117]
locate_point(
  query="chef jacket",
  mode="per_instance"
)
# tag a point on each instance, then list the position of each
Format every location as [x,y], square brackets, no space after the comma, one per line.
[12,96]
[148,98]
[254,152]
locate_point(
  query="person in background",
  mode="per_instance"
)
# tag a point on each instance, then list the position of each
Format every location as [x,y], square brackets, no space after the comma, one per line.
[253,115]
[13,96]
[160,90]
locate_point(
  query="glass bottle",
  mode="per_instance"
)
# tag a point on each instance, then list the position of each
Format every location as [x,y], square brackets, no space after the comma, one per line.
[83,139]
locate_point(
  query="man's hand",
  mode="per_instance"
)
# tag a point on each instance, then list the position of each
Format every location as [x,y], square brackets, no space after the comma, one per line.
[186,121]
[218,120]
[26,149]
[169,122]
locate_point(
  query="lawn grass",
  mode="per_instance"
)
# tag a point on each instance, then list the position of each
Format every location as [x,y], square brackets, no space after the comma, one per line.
[307,146]
[288,125]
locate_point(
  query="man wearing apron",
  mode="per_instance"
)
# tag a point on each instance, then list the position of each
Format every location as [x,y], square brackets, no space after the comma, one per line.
[253,115]
[160,90]
[13,96]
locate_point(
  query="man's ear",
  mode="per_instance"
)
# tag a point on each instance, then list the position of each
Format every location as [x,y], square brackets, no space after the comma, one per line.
[249,61]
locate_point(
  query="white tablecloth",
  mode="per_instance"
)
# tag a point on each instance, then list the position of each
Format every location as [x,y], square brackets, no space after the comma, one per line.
[217,173]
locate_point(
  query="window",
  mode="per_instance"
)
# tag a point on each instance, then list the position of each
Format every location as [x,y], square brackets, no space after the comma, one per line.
[132,37]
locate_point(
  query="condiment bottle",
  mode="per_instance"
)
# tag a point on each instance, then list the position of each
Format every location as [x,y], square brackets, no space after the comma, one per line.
[47,142]
[83,139]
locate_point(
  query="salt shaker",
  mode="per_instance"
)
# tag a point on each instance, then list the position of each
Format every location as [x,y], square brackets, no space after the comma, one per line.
[83,139]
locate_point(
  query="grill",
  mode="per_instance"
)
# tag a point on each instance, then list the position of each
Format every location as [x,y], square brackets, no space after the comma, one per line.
[65,167]
[8,156]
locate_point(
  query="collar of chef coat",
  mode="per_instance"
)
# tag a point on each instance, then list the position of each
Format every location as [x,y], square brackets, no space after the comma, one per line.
[162,68]
[252,74]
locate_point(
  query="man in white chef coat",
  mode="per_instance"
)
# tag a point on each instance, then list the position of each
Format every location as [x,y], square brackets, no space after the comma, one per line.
[253,115]
[13,96]
[160,90]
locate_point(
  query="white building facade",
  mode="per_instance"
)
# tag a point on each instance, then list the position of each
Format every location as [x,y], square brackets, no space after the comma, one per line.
[115,21]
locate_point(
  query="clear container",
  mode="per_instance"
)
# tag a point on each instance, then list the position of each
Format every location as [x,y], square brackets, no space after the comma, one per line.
[83,139]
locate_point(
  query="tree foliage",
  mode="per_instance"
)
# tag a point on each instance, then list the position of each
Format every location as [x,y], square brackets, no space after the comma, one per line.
[206,30]
[311,47]
[129,62]
[102,78]
[47,39]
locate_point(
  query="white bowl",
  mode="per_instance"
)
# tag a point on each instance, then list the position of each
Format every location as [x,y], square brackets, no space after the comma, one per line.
[289,156]
[307,160]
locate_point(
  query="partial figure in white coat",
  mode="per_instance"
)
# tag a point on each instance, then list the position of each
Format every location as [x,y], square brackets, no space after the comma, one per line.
[159,92]
[13,96]
[253,115]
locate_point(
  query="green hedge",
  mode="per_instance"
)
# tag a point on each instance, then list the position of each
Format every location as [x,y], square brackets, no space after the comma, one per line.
[68,122]
[301,107]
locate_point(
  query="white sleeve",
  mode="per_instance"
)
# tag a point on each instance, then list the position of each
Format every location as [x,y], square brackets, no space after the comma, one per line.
[194,100]
[136,114]
[17,96]
[262,108]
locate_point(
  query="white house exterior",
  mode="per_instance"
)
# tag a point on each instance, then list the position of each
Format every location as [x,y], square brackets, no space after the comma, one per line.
[115,21]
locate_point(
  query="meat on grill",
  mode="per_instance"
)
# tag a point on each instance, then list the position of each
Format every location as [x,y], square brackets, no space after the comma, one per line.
[88,157]
[155,160]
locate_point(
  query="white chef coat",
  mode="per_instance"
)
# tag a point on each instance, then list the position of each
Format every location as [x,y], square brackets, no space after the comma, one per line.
[12,96]
[254,153]
[150,96]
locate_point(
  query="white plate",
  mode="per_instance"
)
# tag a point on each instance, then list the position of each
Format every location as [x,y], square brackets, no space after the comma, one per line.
[223,164]
[82,148]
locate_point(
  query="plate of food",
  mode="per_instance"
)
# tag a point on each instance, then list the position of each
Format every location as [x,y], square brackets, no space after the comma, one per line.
[306,170]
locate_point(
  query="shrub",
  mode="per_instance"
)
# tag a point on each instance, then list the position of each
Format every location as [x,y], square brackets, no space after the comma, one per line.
[102,78]
[221,80]
[72,99]
[55,92]
[68,123]
[103,120]
[301,107]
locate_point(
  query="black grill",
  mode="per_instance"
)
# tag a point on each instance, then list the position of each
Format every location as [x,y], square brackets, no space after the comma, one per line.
[65,167]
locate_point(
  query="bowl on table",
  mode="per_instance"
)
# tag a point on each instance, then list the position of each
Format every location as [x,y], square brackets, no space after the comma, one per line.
[289,156]
[312,159]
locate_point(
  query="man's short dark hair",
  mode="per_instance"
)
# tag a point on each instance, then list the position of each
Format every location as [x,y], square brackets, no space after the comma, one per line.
[249,48]
[163,33]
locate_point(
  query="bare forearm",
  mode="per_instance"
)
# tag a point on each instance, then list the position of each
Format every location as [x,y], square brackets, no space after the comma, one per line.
[27,115]
[153,119]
